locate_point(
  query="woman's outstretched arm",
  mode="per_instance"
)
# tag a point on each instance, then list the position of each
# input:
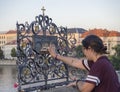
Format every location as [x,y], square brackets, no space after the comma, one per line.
[74,62]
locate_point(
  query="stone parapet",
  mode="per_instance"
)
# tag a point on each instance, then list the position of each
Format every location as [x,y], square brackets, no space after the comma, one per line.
[61,89]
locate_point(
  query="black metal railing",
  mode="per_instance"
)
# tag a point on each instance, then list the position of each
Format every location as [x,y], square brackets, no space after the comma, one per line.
[37,70]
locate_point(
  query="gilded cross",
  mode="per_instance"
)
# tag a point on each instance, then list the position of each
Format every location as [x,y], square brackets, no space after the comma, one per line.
[43,10]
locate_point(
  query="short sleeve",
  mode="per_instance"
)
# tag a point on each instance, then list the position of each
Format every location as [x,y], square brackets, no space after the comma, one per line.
[95,74]
[87,64]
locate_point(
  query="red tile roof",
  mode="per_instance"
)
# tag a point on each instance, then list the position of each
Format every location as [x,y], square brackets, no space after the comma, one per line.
[101,33]
[11,32]
[114,33]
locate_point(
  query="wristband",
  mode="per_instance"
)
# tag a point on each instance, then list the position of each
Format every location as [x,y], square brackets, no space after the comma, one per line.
[56,56]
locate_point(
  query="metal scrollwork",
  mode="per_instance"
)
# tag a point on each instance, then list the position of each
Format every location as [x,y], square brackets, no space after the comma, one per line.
[36,67]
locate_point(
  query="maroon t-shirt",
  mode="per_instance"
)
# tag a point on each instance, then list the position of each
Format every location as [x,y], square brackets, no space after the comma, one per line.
[103,75]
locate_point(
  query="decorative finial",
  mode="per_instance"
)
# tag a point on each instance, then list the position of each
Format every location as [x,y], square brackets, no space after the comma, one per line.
[43,10]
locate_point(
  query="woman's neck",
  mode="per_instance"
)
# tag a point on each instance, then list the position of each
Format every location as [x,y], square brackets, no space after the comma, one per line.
[97,56]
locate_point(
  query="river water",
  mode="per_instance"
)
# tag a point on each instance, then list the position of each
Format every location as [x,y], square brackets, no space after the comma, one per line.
[8,76]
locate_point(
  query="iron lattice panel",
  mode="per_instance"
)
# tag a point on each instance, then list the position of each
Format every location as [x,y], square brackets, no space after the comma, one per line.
[36,68]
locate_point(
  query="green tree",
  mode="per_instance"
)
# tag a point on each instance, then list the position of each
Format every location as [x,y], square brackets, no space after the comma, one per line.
[13,52]
[115,59]
[1,54]
[115,62]
[79,52]
[117,50]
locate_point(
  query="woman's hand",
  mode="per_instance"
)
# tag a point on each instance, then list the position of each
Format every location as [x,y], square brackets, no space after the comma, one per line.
[72,84]
[52,51]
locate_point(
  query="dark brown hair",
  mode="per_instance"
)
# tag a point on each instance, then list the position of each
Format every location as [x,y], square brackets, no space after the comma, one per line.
[95,43]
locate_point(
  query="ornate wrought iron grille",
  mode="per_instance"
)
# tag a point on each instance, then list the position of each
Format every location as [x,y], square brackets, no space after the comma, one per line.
[36,68]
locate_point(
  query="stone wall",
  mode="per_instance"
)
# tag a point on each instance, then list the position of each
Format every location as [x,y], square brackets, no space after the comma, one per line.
[62,89]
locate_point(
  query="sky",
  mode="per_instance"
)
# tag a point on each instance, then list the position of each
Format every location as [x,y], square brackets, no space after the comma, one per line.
[87,14]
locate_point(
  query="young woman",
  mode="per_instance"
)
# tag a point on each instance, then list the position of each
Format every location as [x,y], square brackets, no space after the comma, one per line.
[102,76]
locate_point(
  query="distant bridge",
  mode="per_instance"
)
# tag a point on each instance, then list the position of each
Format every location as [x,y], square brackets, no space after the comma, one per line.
[7,62]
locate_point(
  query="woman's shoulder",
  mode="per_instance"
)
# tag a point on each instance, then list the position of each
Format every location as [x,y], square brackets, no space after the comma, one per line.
[103,61]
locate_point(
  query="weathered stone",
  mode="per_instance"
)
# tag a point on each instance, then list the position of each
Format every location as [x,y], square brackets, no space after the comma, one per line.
[62,89]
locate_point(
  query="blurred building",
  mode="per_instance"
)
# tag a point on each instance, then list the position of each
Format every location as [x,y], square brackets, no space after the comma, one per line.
[11,35]
[75,36]
[3,40]
[7,37]
[7,49]
[8,42]
[110,38]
